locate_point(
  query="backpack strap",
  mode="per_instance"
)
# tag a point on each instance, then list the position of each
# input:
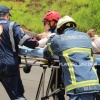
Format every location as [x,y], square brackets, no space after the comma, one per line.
[12,36]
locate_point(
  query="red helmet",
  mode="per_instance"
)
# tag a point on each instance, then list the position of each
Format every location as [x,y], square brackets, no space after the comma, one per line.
[52,15]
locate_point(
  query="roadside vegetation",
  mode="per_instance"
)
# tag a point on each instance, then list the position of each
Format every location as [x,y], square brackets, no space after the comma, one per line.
[29,13]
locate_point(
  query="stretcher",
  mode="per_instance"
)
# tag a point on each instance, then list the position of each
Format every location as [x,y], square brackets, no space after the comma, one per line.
[44,64]
[34,54]
[35,59]
[26,54]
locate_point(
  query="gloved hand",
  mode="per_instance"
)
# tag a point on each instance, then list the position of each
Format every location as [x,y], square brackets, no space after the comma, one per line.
[47,56]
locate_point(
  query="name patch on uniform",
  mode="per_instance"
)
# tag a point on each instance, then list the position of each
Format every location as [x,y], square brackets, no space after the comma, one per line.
[90,88]
[74,37]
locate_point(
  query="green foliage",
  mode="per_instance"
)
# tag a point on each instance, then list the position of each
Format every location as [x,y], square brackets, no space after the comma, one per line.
[29,13]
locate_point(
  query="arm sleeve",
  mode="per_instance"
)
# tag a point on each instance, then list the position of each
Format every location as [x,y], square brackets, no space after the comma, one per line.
[43,42]
[53,46]
[23,39]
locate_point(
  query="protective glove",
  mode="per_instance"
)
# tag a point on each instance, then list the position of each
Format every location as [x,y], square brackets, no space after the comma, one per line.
[46,53]
[47,56]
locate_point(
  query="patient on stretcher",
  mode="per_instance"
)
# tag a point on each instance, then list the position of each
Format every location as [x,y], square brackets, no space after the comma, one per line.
[38,51]
[95,45]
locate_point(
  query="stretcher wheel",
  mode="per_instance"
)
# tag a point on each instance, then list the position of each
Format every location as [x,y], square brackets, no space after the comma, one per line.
[27,69]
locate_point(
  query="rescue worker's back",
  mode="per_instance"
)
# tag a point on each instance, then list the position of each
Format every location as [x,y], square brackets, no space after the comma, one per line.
[77,56]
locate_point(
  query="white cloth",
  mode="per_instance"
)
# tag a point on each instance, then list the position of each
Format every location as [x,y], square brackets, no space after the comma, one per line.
[96,46]
[43,41]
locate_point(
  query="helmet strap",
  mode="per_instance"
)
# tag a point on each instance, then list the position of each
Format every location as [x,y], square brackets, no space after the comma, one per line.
[52,29]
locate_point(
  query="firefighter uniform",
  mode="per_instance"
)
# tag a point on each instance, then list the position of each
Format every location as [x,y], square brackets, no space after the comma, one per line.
[76,61]
[9,41]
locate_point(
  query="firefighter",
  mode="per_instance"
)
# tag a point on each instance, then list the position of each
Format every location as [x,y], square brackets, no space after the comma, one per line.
[76,60]
[50,22]
[9,41]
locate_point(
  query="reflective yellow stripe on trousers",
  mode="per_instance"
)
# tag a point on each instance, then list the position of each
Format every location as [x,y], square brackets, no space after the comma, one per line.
[71,68]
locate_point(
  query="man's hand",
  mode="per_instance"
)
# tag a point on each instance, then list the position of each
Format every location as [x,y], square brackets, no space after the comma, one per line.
[37,37]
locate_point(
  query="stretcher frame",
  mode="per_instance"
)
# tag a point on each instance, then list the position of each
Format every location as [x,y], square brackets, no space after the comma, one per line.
[42,79]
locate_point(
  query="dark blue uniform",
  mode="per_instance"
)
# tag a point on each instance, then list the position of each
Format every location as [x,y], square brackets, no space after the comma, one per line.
[9,72]
[76,60]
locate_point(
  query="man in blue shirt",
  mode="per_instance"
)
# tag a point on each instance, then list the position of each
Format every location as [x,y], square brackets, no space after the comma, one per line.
[9,41]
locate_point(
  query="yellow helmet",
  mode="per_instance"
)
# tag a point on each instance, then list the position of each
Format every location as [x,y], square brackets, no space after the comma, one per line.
[65,19]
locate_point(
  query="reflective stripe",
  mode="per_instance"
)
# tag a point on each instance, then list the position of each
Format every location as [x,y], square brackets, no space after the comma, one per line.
[71,69]
[11,36]
[83,50]
[23,39]
[93,68]
[49,48]
[82,84]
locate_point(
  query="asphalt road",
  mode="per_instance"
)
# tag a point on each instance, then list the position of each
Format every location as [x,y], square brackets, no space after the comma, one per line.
[30,82]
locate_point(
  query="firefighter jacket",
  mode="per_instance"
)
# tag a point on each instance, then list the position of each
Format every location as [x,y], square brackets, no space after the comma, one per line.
[9,41]
[76,61]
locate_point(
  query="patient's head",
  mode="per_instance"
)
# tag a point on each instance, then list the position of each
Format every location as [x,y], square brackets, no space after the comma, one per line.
[93,36]
[91,33]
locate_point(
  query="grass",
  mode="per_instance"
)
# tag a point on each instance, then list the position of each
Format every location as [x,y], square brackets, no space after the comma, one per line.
[29,14]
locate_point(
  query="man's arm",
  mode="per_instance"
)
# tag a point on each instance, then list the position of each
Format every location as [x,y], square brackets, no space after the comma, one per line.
[23,39]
